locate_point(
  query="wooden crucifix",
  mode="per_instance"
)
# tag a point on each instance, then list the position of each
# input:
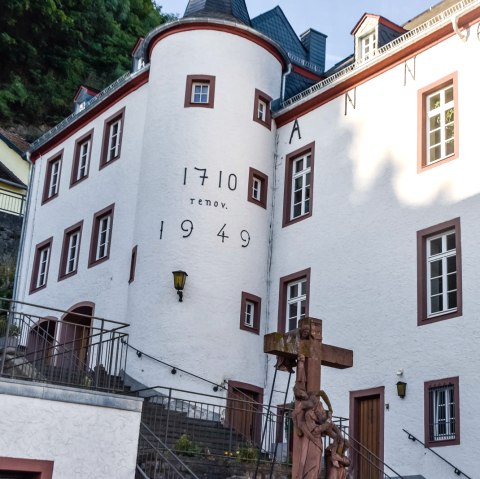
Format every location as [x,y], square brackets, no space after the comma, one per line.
[303,348]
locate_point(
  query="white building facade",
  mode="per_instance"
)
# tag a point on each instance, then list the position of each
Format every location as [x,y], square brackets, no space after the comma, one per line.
[353,201]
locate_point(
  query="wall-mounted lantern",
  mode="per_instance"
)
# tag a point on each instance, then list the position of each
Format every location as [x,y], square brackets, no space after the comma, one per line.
[179,278]
[401,389]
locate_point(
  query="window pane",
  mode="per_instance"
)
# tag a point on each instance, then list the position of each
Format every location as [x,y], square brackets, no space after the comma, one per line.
[435,137]
[452,282]
[298,165]
[436,304]
[450,241]
[435,246]
[450,148]
[293,290]
[434,122]
[436,269]
[451,264]
[436,285]
[434,101]
[449,94]
[452,300]
[304,287]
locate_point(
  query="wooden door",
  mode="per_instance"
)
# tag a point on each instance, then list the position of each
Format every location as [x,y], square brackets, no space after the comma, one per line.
[368,434]
[244,412]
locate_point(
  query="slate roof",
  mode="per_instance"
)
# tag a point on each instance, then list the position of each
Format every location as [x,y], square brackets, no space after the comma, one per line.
[7,175]
[232,10]
[14,141]
[297,83]
[274,24]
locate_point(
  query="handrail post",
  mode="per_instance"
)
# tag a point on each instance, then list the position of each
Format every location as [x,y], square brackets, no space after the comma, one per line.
[99,354]
[167,420]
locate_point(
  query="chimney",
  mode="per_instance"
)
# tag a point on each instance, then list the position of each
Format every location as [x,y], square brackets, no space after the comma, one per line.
[315,43]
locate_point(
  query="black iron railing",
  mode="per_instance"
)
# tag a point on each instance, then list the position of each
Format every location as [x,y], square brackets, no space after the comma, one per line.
[222,432]
[11,202]
[157,461]
[83,351]
[456,470]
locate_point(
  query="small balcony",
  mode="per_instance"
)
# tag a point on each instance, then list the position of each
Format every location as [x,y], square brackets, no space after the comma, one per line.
[11,202]
[80,350]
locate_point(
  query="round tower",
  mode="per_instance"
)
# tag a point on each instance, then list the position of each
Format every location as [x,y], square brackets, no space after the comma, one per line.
[204,201]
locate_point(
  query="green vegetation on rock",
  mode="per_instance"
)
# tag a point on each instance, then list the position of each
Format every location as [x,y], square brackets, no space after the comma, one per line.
[51,47]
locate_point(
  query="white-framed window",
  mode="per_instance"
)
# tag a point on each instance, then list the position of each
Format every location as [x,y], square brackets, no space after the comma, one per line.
[442,412]
[301,182]
[262,110]
[83,159]
[440,124]
[72,252]
[250,310]
[441,273]
[114,140]
[101,236]
[200,92]
[53,170]
[368,45]
[41,264]
[256,188]
[442,405]
[249,313]
[104,232]
[296,302]
[54,178]
[44,256]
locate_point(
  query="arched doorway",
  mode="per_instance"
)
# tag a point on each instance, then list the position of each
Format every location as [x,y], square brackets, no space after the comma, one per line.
[41,343]
[74,336]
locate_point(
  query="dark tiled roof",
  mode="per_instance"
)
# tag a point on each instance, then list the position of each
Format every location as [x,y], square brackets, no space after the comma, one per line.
[6,174]
[233,10]
[297,83]
[275,25]
[386,35]
[14,141]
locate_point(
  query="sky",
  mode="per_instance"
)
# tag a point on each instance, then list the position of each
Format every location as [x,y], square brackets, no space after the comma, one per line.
[335,18]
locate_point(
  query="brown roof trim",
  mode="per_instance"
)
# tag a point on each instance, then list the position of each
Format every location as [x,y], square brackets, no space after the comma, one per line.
[222,27]
[382,20]
[376,69]
[307,73]
[97,110]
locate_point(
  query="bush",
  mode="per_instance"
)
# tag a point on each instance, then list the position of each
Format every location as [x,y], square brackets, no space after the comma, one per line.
[184,445]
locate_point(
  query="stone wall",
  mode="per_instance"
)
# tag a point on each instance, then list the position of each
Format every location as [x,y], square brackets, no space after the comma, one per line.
[10,229]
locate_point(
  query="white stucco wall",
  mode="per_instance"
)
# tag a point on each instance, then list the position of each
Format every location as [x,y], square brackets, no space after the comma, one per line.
[87,435]
[104,284]
[223,140]
[360,243]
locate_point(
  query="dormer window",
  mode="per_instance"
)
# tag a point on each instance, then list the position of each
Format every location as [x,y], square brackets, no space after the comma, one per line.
[368,45]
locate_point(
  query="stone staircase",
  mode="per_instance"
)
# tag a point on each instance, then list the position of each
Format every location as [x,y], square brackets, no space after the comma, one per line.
[209,448]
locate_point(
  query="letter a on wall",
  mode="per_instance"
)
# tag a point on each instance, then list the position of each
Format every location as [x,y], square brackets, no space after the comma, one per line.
[296,128]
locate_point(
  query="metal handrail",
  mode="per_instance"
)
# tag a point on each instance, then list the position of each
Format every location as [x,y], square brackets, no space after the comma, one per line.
[57,310]
[160,453]
[14,204]
[370,453]
[82,355]
[411,36]
[457,471]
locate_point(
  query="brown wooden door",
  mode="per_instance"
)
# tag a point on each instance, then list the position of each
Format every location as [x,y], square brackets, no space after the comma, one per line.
[244,413]
[368,434]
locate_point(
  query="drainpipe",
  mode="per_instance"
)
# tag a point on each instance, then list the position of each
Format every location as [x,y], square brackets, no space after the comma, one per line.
[284,80]
[23,232]
[456,29]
